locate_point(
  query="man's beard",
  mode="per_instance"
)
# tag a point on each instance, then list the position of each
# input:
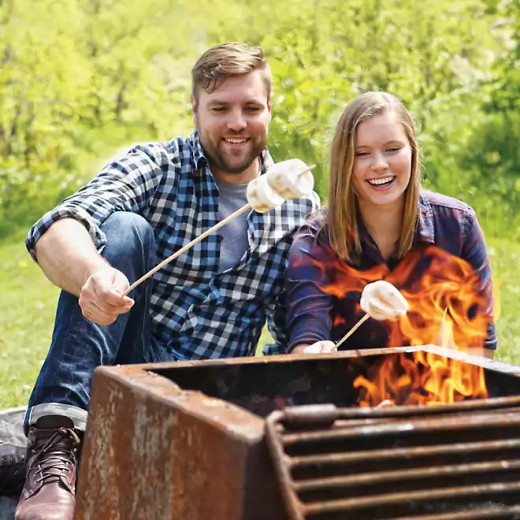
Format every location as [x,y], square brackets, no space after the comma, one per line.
[221,160]
[225,161]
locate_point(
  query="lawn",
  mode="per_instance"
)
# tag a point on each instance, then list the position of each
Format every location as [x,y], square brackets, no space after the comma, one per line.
[28,303]
[26,315]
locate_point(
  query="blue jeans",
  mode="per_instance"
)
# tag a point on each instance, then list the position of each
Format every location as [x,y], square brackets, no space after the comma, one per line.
[79,345]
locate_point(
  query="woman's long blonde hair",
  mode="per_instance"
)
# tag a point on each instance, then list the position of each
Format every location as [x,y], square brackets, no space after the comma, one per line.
[342,217]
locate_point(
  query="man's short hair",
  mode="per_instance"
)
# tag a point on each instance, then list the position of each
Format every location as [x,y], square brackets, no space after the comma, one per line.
[226,60]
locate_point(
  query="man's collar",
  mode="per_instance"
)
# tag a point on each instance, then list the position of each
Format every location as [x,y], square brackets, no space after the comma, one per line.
[266,161]
[197,151]
[199,157]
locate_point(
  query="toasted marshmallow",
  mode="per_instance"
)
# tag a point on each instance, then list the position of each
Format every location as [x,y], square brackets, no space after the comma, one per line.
[287,179]
[283,181]
[382,301]
[261,196]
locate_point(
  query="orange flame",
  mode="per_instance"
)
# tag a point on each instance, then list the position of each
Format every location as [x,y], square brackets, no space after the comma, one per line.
[426,379]
[447,307]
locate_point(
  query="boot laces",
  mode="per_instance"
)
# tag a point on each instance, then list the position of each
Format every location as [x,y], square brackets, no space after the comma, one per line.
[57,455]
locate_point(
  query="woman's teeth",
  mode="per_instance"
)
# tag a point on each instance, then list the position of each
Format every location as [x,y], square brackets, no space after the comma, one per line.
[379,182]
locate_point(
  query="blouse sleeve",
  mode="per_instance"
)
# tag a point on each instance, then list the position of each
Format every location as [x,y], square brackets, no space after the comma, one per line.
[474,250]
[308,307]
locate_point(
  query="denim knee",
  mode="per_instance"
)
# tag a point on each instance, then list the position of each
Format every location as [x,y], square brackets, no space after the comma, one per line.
[127,234]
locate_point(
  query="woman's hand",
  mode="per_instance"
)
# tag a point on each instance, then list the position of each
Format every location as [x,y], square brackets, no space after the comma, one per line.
[320,347]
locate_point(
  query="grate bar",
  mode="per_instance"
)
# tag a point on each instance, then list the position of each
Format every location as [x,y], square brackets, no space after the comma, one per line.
[397,453]
[392,499]
[408,426]
[382,477]
[342,422]
[328,412]
[495,513]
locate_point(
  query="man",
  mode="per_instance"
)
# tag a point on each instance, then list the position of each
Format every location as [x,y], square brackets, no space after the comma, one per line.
[210,302]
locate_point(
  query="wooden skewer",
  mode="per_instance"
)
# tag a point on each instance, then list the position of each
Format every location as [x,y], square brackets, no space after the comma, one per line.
[197,240]
[188,246]
[308,169]
[352,330]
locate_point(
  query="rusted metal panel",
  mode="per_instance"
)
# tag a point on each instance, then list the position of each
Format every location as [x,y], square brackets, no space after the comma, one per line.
[154,451]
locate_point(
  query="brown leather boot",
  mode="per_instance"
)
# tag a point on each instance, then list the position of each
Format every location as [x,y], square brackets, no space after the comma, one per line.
[12,468]
[50,485]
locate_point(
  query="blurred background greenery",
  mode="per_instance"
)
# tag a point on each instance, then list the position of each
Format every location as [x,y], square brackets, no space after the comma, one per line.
[81,81]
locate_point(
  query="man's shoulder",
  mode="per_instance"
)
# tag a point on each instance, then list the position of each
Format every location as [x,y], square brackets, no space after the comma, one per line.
[314,225]
[178,148]
[302,208]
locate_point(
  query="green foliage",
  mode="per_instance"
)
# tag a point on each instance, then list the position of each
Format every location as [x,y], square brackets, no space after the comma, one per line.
[120,71]
[81,80]
[71,70]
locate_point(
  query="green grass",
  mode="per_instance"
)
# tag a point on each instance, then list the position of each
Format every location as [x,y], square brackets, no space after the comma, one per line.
[28,304]
[26,316]
[505,260]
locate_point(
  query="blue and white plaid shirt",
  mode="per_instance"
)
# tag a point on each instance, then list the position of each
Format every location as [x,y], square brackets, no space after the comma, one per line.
[196,311]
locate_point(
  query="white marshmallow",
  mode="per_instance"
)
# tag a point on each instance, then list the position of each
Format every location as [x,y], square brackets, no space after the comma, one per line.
[382,301]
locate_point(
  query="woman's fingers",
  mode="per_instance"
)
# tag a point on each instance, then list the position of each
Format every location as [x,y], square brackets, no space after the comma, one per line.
[320,347]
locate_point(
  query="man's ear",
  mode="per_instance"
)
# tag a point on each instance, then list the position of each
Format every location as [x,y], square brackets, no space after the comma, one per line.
[193,107]
[269,107]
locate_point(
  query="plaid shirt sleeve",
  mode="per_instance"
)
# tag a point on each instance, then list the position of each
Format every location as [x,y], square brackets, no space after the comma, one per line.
[308,312]
[126,184]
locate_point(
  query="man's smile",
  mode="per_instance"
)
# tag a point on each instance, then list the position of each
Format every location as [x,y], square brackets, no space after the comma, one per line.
[234,140]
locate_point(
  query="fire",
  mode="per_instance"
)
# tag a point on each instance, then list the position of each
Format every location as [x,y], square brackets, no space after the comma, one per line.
[424,379]
[447,307]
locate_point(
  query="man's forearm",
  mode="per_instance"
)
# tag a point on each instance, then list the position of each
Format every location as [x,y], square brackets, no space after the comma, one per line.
[67,256]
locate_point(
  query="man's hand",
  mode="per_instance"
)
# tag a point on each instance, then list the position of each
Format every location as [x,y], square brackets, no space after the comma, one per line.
[101,299]
[320,347]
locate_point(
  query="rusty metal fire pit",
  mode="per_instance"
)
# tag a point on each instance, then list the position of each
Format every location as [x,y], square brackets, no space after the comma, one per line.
[188,441]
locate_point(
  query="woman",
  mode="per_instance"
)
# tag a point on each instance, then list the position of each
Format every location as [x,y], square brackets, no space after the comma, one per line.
[380,224]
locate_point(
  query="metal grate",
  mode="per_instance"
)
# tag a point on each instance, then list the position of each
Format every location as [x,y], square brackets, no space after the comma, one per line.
[442,462]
